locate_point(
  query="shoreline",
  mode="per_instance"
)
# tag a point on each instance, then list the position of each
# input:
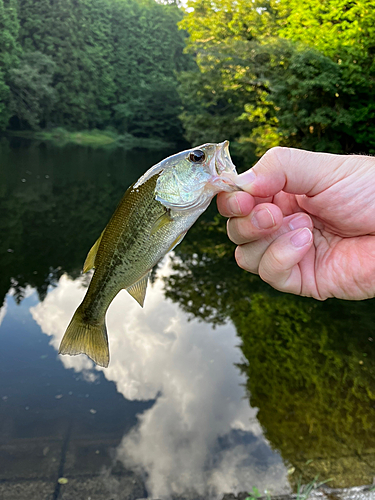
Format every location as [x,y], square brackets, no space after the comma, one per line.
[93,138]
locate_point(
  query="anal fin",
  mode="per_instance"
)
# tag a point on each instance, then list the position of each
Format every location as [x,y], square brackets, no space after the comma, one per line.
[138,289]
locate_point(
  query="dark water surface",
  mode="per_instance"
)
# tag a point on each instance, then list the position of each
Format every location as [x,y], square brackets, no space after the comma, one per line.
[217,386]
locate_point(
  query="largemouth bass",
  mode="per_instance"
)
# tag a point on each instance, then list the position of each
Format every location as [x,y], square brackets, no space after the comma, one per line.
[151,219]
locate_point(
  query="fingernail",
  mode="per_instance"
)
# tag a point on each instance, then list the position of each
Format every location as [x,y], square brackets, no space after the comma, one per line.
[301,238]
[299,221]
[234,206]
[245,178]
[263,219]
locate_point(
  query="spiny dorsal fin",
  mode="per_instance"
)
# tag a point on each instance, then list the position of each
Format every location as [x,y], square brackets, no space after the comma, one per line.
[164,219]
[90,259]
[138,290]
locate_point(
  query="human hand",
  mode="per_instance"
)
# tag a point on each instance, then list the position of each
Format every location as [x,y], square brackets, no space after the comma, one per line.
[305,223]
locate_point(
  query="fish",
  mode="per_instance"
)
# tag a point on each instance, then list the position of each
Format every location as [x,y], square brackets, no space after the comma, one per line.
[151,219]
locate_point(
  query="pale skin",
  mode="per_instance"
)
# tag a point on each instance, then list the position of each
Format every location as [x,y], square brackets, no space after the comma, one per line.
[305,222]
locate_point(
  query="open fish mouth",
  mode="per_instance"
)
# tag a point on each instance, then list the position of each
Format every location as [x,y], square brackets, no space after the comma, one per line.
[223,161]
[225,173]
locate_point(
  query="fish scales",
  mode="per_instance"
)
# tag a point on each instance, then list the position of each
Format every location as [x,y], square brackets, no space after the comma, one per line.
[131,251]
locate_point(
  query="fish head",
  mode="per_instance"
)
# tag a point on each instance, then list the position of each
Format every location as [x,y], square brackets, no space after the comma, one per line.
[190,179]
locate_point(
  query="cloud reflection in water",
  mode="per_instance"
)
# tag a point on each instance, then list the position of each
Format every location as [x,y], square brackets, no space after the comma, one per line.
[201,436]
[3,311]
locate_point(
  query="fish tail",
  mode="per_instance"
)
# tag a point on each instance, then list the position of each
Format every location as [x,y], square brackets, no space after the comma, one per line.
[82,337]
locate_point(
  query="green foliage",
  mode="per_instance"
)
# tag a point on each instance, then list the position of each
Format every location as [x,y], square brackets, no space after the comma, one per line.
[341,29]
[255,494]
[76,35]
[297,73]
[149,50]
[9,52]
[217,21]
[314,90]
[305,102]
[344,31]
[32,94]
[96,64]
[4,97]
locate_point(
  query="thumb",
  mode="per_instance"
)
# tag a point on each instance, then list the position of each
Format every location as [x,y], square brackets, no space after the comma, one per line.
[294,171]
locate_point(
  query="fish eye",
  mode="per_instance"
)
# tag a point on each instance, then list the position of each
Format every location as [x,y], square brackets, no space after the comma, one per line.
[197,156]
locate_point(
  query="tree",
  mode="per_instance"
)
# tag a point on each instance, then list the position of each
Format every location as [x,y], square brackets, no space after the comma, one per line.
[266,91]
[77,36]
[115,65]
[305,101]
[148,51]
[9,53]
[32,94]
[344,31]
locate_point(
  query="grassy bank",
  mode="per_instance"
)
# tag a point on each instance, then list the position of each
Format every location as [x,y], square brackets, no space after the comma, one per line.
[93,138]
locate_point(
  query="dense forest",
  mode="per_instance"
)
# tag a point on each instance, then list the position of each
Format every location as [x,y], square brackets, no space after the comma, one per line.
[282,72]
[260,73]
[83,64]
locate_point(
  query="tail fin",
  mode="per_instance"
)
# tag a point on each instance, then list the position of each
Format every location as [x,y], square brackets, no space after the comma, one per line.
[84,338]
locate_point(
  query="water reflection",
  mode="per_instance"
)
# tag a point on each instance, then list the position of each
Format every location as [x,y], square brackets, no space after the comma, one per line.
[200,437]
[54,204]
[310,366]
[174,403]
[3,311]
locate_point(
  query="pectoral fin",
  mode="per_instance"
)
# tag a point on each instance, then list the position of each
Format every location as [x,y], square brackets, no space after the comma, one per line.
[90,259]
[163,220]
[176,242]
[138,290]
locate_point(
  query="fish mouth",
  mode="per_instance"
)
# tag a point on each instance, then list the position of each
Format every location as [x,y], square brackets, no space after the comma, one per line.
[224,170]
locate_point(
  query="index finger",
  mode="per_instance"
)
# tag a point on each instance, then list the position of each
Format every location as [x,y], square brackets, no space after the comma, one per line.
[236,204]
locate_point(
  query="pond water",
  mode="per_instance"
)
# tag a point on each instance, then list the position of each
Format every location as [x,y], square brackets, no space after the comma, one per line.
[217,386]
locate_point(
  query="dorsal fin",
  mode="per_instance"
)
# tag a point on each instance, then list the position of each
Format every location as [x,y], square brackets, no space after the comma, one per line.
[90,259]
[138,289]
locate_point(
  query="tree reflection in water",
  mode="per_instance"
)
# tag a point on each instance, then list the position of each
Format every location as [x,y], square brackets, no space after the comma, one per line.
[310,365]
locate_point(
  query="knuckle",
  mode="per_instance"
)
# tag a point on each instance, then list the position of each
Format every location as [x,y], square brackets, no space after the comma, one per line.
[277,154]
[231,223]
[222,203]
[235,231]
[271,267]
[241,256]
